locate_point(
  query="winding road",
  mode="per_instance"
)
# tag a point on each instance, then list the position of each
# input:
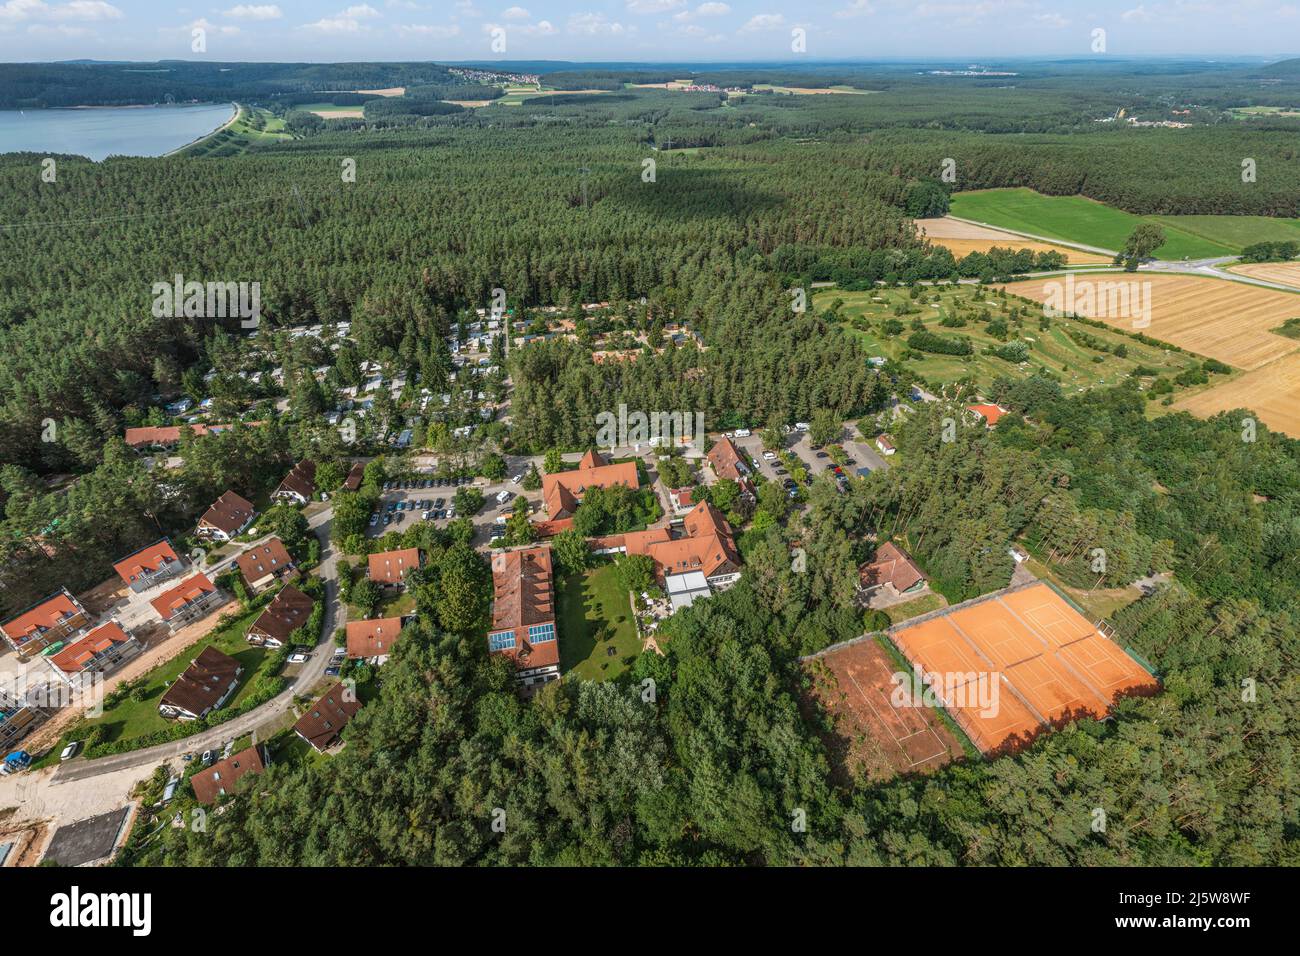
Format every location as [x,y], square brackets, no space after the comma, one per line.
[307,677]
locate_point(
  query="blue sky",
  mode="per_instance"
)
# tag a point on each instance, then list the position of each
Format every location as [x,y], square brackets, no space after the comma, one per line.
[677,30]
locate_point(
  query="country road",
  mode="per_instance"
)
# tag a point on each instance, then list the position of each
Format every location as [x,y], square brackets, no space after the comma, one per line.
[312,671]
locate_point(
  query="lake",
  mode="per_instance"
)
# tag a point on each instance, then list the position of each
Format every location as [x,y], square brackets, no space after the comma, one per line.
[109,131]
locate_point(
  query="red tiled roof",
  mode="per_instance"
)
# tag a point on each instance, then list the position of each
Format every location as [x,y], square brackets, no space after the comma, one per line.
[145,561]
[173,599]
[523,595]
[301,480]
[48,614]
[990,413]
[355,475]
[373,638]
[221,776]
[203,683]
[891,565]
[229,513]
[289,610]
[708,547]
[74,658]
[389,567]
[269,557]
[562,490]
[323,720]
[726,460]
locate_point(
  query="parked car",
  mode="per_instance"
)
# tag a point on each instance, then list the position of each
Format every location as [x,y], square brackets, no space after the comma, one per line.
[70,750]
[503,497]
[769,456]
[374,519]
[333,670]
[388,519]
[298,657]
[822,454]
[169,791]
[743,433]
[207,757]
[518,478]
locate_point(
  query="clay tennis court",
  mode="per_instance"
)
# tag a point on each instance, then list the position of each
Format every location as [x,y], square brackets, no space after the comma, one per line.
[872,737]
[1226,320]
[962,238]
[1048,661]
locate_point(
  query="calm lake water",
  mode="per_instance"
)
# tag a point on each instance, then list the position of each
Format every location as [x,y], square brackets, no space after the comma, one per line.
[110,131]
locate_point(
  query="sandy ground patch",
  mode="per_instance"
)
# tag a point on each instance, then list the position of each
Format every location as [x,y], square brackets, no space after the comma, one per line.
[387,91]
[1283,273]
[1272,392]
[1225,320]
[470,104]
[339,114]
[962,238]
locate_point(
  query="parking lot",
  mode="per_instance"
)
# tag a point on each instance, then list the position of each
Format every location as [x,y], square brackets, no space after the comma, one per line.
[860,455]
[403,501]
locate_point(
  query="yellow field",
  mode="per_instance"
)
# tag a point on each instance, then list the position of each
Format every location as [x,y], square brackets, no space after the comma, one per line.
[963,238]
[387,91]
[339,113]
[1283,273]
[1272,392]
[470,104]
[1225,320]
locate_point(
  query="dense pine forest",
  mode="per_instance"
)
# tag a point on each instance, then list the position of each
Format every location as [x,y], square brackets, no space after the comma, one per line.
[547,200]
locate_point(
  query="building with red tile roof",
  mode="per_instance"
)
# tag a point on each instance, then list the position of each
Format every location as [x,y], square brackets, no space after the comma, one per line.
[187,602]
[299,485]
[390,568]
[892,569]
[229,515]
[263,563]
[562,491]
[55,619]
[523,615]
[288,611]
[373,639]
[206,685]
[322,722]
[149,566]
[98,652]
[356,474]
[220,779]
[989,412]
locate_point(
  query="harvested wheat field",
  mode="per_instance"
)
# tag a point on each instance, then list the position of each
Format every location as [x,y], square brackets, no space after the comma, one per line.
[1225,320]
[1272,392]
[963,238]
[1283,273]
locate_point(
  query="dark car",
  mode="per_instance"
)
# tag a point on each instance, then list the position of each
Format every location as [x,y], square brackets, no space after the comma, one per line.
[822,454]
[388,519]
[439,502]
[850,461]
[332,670]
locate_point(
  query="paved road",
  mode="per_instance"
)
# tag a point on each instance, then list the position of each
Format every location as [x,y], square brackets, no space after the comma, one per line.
[308,675]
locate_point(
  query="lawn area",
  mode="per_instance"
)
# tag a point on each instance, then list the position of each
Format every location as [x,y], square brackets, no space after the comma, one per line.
[595,617]
[1101,603]
[1236,231]
[134,718]
[253,127]
[915,608]
[1060,351]
[1081,220]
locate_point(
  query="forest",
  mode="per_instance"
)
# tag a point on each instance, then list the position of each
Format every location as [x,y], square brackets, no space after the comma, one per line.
[703,755]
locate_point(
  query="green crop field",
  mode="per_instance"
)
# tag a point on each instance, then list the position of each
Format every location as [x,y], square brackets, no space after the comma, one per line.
[1235,231]
[1064,350]
[1076,219]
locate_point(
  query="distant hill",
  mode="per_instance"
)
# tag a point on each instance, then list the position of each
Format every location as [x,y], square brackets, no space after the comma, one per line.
[1283,69]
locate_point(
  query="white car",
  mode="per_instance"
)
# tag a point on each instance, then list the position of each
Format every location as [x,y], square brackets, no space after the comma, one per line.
[742,433]
[769,456]
[517,478]
[70,750]
[503,497]
[801,426]
[298,658]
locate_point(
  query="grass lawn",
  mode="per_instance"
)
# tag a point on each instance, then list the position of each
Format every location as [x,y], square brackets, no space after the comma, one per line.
[1081,220]
[135,718]
[1237,231]
[1063,357]
[253,127]
[590,608]
[916,607]
[1101,603]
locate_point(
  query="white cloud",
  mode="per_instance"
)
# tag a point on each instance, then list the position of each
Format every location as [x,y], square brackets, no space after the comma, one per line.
[431,31]
[1138,14]
[764,21]
[542,28]
[595,24]
[653,6]
[15,11]
[247,11]
[1053,20]
[516,13]
[202,23]
[348,21]
[703,10]
[856,8]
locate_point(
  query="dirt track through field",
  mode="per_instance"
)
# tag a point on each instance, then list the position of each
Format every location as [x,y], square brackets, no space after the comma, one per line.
[1224,320]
